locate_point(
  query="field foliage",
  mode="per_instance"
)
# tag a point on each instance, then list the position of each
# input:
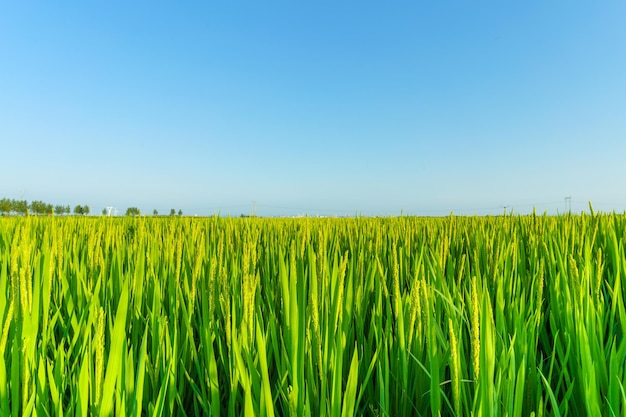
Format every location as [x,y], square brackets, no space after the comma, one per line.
[513,315]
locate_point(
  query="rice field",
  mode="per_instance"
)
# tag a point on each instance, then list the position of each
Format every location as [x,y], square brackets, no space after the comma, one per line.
[455,316]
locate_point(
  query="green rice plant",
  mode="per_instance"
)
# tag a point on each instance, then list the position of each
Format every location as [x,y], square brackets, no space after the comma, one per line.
[509,315]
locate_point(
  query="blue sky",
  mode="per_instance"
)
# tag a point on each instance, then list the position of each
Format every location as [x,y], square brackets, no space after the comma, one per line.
[319,107]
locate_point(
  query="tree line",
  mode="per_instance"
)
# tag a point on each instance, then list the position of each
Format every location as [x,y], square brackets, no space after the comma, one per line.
[134,211]
[23,207]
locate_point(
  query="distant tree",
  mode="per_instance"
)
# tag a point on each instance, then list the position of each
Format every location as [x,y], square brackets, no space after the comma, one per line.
[172,212]
[39,207]
[132,211]
[5,206]
[155,212]
[59,210]
[19,206]
[104,212]
[180,212]
[35,206]
[86,210]
[78,210]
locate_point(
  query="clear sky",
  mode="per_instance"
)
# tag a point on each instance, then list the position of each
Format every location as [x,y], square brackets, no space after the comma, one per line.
[319,107]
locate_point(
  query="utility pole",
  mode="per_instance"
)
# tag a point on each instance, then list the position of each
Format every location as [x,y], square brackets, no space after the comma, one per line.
[253,208]
[568,204]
